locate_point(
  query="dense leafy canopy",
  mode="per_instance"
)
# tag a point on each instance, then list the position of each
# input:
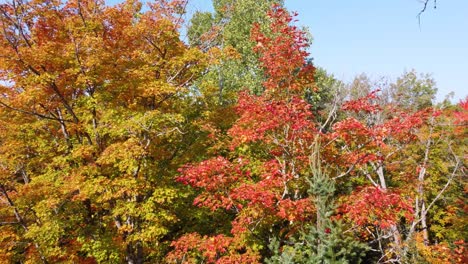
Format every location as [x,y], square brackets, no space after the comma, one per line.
[120,143]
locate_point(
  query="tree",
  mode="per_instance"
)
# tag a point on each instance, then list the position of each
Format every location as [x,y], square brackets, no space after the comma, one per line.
[411,92]
[260,178]
[93,115]
[264,173]
[120,143]
[326,241]
[227,31]
[440,191]
[392,151]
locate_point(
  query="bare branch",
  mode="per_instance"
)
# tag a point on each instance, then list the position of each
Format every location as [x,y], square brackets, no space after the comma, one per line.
[33,113]
[445,186]
[425,3]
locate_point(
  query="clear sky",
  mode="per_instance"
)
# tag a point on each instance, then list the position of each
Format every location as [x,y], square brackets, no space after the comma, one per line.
[384,38]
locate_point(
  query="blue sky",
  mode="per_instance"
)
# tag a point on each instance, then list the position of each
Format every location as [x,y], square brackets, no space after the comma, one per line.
[384,38]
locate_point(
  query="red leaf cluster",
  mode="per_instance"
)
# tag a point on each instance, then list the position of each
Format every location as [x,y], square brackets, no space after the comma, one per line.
[217,177]
[264,119]
[298,210]
[461,117]
[364,104]
[376,206]
[283,53]
[218,249]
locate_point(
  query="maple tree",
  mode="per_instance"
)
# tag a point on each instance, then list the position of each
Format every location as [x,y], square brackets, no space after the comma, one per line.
[275,134]
[259,181]
[92,118]
[120,143]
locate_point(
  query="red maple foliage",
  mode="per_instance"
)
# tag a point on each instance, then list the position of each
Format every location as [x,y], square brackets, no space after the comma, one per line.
[262,179]
[261,189]
[376,206]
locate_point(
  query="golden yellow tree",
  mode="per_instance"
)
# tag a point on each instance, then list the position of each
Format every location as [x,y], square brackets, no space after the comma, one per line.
[92,124]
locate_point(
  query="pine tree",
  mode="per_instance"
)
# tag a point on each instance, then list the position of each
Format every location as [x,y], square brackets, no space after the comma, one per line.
[324,241]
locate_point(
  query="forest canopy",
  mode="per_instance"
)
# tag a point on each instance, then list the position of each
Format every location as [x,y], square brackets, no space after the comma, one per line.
[121,142]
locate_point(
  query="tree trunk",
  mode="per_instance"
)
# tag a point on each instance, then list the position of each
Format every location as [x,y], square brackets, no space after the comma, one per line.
[393,228]
[134,253]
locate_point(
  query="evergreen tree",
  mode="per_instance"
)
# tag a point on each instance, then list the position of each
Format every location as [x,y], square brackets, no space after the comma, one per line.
[326,240]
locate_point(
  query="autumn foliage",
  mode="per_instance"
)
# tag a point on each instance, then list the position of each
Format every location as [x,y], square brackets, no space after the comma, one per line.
[114,150]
